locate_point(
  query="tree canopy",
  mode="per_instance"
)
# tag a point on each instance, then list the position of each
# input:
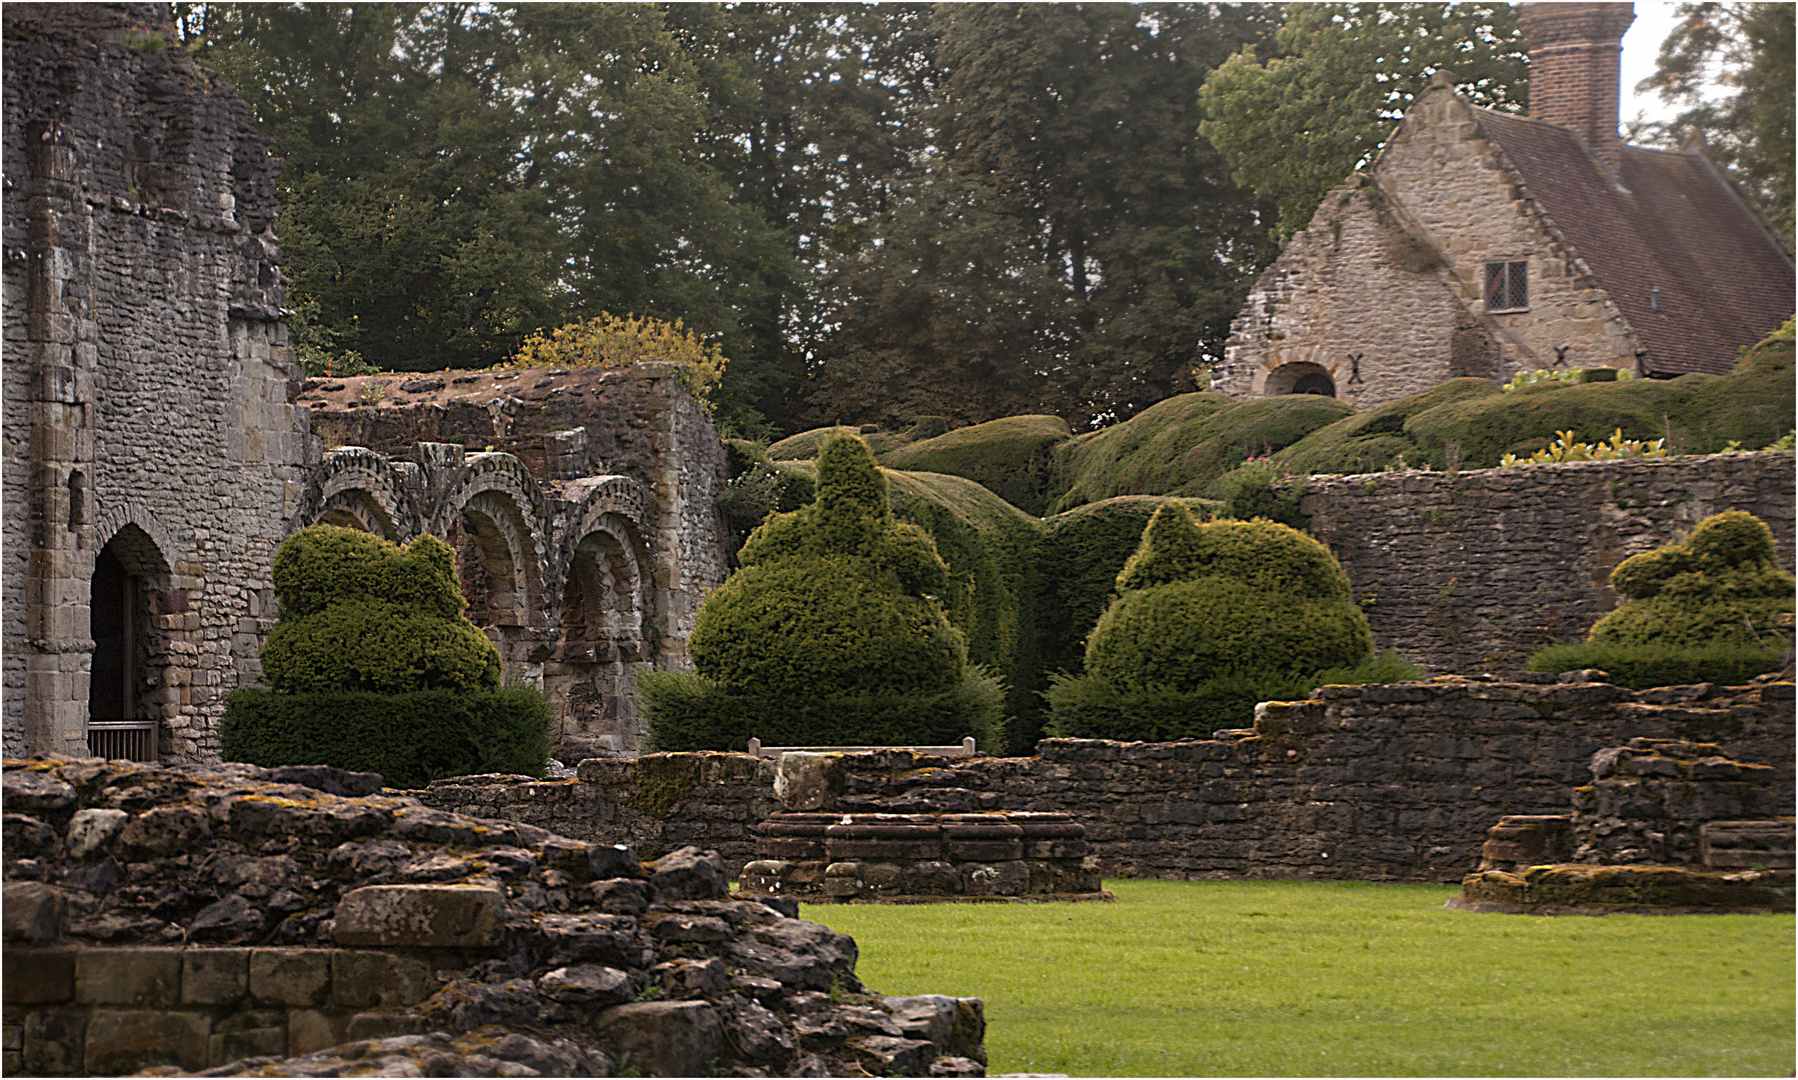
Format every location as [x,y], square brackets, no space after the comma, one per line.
[1324,103]
[1749,47]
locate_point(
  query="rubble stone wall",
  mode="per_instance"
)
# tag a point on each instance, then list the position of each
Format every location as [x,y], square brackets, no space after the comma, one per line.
[1374,783]
[1474,571]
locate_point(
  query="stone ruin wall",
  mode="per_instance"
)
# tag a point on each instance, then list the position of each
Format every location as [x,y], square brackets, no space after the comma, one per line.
[1373,783]
[148,382]
[1474,571]
[583,507]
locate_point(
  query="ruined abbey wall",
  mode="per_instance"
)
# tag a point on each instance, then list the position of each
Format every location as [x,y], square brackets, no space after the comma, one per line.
[1362,783]
[160,441]
[148,382]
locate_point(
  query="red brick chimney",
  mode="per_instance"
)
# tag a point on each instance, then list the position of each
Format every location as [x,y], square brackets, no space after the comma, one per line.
[1575,66]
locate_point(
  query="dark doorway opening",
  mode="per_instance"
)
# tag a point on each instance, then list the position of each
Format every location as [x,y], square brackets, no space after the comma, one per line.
[115,607]
[1315,383]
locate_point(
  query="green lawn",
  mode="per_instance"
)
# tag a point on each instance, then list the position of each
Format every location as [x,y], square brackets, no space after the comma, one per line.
[1341,979]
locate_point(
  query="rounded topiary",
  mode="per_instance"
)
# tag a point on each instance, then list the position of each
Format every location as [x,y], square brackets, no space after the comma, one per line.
[1199,600]
[834,602]
[360,613]
[833,597]
[1720,586]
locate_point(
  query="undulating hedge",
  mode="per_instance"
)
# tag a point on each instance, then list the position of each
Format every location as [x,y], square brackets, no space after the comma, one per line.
[1640,667]
[1011,457]
[410,739]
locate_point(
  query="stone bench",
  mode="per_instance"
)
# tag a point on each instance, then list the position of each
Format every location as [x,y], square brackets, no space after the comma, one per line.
[966,749]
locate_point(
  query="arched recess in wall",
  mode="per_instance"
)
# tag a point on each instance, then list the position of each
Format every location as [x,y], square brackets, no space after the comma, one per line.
[491,524]
[1300,378]
[359,489]
[605,606]
[131,584]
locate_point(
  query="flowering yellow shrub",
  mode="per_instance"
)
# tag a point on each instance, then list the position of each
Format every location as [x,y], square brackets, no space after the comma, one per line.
[1565,449]
[614,341]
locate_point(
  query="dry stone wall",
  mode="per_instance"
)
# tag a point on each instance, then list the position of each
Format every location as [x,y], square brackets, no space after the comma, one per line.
[1474,571]
[1374,783]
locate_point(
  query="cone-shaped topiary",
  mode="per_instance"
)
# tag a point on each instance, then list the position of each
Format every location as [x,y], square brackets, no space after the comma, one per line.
[1197,600]
[831,603]
[359,613]
[1721,586]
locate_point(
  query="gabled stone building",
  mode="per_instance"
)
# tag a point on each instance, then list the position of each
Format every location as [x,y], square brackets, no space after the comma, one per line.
[1481,243]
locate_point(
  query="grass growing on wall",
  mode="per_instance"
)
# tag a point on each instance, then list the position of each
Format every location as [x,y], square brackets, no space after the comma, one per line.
[1279,978]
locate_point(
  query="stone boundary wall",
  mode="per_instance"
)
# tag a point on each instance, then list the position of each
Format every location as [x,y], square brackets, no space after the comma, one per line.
[1474,571]
[1372,783]
[74,1010]
[655,803]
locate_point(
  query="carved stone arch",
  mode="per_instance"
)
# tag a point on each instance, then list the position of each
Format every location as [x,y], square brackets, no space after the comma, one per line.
[489,516]
[606,602]
[132,582]
[360,489]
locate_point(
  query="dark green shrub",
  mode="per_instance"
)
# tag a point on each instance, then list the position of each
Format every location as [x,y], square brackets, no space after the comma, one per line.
[359,613]
[1720,586]
[1640,667]
[1209,619]
[1179,446]
[1010,457]
[1259,489]
[410,739]
[833,604]
[1088,707]
[691,712]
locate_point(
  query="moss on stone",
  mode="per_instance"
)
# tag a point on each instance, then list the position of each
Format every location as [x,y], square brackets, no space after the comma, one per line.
[663,780]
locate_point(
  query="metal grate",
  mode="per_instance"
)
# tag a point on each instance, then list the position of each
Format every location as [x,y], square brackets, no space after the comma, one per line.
[128,740]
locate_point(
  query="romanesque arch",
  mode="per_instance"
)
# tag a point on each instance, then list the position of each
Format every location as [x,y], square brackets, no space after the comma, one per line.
[1300,378]
[360,489]
[489,517]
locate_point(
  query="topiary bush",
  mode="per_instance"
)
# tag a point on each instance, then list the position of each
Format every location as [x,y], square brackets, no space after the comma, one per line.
[1702,610]
[831,615]
[359,613]
[372,666]
[1208,616]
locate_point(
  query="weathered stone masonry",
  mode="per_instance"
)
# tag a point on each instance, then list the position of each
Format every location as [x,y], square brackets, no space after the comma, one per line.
[147,384]
[1374,783]
[158,443]
[1474,571]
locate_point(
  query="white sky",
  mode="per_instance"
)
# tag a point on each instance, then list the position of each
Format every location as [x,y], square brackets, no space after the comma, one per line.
[1641,45]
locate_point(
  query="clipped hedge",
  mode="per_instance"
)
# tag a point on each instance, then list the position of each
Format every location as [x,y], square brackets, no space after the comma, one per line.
[1210,618]
[1640,667]
[1721,586]
[410,739]
[1091,708]
[1010,457]
[691,712]
[1179,446]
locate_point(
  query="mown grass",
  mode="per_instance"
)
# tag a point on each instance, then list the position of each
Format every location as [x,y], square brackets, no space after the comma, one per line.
[1341,979]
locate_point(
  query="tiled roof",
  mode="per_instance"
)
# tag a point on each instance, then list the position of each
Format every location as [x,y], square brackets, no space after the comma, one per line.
[1678,226]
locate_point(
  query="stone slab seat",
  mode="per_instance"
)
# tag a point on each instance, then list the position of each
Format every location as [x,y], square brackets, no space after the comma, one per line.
[966,749]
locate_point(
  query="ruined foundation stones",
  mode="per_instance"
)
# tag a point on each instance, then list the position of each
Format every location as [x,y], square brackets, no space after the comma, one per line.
[1652,832]
[249,919]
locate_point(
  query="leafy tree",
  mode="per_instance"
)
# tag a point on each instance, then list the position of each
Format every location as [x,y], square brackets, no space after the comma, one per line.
[1749,47]
[1324,104]
[1102,248]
